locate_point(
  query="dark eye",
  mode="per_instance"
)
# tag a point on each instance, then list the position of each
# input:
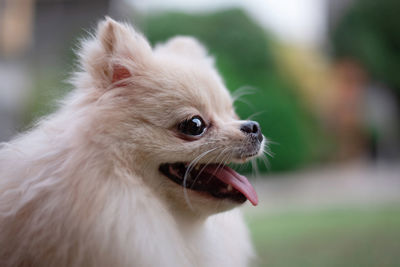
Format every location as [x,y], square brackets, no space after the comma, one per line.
[194,126]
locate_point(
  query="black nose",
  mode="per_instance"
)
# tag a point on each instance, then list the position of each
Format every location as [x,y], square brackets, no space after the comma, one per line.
[253,129]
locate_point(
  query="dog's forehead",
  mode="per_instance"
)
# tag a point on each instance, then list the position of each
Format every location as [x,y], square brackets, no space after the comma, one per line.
[199,86]
[210,87]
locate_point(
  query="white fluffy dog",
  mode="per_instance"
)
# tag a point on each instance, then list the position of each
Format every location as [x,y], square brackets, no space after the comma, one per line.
[131,170]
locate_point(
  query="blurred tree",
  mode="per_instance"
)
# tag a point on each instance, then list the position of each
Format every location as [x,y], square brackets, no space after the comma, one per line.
[370,33]
[244,56]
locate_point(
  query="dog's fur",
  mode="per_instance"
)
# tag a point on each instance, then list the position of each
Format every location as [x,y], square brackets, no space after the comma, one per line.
[83,188]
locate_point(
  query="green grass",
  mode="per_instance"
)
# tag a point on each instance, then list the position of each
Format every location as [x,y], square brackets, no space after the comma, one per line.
[351,237]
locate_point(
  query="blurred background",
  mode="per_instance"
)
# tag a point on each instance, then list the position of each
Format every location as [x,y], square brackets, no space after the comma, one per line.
[320,76]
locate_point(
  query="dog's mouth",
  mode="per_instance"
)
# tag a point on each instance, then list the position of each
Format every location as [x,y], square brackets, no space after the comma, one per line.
[217,180]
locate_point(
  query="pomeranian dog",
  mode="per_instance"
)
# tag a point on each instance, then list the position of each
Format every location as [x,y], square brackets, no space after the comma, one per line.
[132,169]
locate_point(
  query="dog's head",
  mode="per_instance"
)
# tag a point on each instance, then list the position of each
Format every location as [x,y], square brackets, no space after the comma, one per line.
[169,118]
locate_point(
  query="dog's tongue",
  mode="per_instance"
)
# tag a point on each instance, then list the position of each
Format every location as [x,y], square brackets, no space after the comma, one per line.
[237,181]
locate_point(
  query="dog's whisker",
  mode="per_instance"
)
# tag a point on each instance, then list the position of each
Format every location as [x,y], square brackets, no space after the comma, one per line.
[254,167]
[222,163]
[242,91]
[267,149]
[205,165]
[216,159]
[255,114]
[188,170]
[266,162]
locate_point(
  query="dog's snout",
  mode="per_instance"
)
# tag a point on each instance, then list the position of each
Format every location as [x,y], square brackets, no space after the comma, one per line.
[253,129]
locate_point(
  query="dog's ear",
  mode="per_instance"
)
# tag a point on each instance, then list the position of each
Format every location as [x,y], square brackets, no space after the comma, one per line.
[110,34]
[115,54]
[183,45]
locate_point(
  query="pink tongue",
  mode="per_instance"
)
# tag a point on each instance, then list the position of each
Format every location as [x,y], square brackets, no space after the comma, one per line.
[237,181]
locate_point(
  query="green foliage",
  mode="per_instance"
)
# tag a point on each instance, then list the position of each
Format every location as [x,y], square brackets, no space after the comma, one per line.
[370,33]
[244,56]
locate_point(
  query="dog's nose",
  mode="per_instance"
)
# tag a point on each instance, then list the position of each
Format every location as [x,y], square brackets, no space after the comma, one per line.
[253,129]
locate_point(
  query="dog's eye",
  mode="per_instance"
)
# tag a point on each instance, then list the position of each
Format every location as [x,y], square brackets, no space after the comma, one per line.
[194,126]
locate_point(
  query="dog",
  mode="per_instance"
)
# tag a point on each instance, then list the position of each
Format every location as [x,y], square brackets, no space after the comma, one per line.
[132,168]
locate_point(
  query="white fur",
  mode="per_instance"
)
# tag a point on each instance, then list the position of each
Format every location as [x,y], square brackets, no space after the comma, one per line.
[82,188]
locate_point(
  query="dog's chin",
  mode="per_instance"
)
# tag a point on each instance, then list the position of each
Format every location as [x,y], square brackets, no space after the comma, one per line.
[196,203]
[245,155]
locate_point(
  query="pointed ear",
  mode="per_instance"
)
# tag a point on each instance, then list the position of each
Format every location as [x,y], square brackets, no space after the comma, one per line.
[183,45]
[108,32]
[112,56]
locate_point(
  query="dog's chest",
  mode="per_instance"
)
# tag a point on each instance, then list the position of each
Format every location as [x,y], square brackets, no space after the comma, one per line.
[221,241]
